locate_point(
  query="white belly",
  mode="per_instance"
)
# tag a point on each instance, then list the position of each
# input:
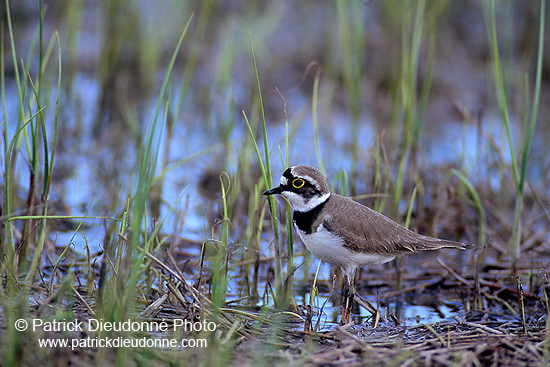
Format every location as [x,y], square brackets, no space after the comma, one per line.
[330,248]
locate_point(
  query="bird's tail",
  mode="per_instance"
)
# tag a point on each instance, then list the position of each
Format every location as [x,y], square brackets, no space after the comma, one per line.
[430,243]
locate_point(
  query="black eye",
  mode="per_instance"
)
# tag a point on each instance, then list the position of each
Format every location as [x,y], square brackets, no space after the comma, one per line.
[298,183]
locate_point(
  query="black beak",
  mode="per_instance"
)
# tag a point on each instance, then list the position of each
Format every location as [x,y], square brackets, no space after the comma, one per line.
[273,191]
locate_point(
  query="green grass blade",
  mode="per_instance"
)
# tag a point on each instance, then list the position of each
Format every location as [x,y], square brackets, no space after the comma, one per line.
[482,222]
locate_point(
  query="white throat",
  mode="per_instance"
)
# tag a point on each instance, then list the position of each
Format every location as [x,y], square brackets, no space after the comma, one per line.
[301,204]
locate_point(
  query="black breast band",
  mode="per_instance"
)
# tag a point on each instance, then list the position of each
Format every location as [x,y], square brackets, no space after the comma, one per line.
[304,220]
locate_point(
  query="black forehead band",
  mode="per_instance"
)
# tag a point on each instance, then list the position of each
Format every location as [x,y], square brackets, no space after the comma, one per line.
[287,174]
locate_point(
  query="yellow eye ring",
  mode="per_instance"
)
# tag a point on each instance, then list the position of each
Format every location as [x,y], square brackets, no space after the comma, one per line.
[298,183]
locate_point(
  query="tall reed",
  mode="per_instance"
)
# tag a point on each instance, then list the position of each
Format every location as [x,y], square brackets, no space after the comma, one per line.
[417,20]
[27,136]
[503,80]
[283,280]
[125,261]
[352,34]
[28,144]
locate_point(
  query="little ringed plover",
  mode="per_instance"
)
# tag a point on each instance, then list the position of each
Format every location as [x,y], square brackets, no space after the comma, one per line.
[343,232]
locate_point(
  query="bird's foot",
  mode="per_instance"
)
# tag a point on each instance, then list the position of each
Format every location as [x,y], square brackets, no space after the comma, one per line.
[369,307]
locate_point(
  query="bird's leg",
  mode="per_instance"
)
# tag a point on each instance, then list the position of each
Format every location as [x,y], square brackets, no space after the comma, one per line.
[348,296]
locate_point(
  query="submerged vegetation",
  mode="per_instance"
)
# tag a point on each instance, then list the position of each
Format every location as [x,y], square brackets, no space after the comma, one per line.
[136,143]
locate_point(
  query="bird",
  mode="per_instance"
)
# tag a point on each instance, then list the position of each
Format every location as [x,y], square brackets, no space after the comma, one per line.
[343,232]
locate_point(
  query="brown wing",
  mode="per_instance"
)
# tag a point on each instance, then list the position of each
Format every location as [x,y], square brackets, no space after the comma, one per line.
[377,233]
